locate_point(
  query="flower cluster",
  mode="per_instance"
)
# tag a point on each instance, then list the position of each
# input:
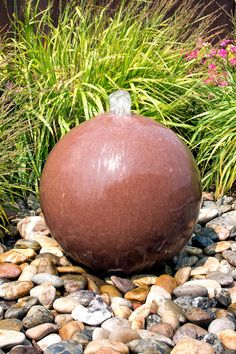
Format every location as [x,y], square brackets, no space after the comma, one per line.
[217,61]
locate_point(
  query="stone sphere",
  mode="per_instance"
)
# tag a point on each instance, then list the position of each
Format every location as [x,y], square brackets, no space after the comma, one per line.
[120,193]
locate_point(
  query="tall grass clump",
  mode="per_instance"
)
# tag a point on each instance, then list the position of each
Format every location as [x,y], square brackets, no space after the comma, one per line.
[62,75]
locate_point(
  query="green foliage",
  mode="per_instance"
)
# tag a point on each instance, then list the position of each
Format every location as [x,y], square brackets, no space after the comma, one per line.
[54,78]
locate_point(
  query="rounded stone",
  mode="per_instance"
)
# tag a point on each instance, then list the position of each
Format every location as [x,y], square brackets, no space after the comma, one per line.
[63,347]
[136,166]
[9,270]
[95,345]
[189,345]
[220,324]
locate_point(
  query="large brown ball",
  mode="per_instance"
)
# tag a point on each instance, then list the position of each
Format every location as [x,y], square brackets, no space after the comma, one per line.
[120,193]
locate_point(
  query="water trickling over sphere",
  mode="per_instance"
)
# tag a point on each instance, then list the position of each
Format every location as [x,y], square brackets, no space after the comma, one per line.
[120,192]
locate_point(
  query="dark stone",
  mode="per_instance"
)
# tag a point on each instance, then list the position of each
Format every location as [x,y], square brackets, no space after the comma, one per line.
[223,297]
[210,233]
[203,302]
[201,241]
[119,191]
[65,347]
[20,309]
[214,341]
[36,316]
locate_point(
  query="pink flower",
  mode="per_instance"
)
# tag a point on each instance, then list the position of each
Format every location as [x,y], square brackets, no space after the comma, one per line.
[192,55]
[225,42]
[233,49]
[223,83]
[223,53]
[232,61]
[212,67]
[212,52]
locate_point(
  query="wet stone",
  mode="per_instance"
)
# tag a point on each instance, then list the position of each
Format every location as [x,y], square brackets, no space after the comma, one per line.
[137,294]
[64,347]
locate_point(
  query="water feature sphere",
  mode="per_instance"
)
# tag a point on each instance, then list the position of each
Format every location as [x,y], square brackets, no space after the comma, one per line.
[120,192]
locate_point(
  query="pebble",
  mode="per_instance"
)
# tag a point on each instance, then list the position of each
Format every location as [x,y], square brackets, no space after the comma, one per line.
[207,214]
[141,312]
[97,344]
[34,245]
[32,225]
[16,289]
[64,347]
[217,247]
[163,328]
[112,323]
[152,320]
[48,340]
[170,306]
[74,282]
[167,282]
[70,269]
[41,331]
[190,345]
[211,285]
[17,256]
[230,256]
[137,294]
[61,320]
[227,220]
[158,295]
[123,334]
[54,280]
[124,285]
[96,313]
[84,297]
[67,331]
[198,316]
[201,241]
[20,309]
[228,338]
[148,346]
[37,315]
[11,324]
[102,333]
[10,338]
[65,304]
[46,294]
[146,280]
[190,290]
[214,341]
[121,302]
[223,278]
[145,334]
[223,297]
[182,275]
[189,330]
[110,290]
[9,270]
[220,324]
[28,272]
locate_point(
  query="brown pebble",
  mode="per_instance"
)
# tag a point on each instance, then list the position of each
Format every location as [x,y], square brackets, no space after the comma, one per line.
[162,328]
[167,282]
